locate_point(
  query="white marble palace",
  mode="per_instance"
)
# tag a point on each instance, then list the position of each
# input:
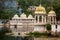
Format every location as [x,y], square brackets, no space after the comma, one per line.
[36,23]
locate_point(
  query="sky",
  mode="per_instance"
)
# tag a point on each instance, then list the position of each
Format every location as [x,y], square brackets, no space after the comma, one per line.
[11,5]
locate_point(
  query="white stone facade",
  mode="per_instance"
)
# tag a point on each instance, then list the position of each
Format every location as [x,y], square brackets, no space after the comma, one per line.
[36,23]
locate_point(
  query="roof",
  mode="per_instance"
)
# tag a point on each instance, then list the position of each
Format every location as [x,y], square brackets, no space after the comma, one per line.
[30,17]
[15,17]
[52,13]
[23,16]
[40,9]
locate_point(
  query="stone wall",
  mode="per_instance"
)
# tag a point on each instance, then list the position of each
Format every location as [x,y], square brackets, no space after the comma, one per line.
[46,38]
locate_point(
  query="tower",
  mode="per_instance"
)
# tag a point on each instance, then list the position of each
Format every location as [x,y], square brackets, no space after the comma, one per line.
[40,14]
[52,17]
[40,19]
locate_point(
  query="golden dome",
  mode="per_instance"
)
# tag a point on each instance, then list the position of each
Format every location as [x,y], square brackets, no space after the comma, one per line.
[51,13]
[40,9]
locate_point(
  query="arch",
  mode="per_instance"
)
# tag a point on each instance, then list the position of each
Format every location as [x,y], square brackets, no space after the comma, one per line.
[36,18]
[40,18]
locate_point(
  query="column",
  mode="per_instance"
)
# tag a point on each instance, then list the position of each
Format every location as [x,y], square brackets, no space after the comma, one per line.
[52,19]
[42,19]
[48,19]
[55,20]
[38,19]
[35,19]
[45,19]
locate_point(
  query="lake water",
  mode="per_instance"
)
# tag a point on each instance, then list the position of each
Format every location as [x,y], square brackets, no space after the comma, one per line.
[0,28]
[29,38]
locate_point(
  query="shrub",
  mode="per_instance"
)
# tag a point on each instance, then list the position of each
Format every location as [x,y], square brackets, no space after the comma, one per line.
[37,34]
[48,26]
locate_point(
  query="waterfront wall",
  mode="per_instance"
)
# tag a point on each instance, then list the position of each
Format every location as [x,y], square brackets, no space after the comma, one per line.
[46,38]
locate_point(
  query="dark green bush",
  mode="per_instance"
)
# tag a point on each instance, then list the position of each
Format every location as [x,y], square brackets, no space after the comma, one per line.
[48,26]
[37,34]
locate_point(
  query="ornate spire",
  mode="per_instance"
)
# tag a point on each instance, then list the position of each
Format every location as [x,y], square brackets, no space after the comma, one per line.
[52,5]
[52,12]
[40,2]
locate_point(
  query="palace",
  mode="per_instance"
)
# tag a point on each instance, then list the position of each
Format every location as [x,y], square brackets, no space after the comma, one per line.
[36,23]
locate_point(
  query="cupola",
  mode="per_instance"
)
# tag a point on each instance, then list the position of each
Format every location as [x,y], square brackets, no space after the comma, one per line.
[52,13]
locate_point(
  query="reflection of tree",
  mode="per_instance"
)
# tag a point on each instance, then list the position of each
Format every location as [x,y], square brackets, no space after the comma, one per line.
[2,33]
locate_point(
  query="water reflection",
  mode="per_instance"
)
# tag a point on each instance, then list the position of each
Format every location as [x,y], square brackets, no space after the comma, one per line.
[21,38]
[29,38]
[18,38]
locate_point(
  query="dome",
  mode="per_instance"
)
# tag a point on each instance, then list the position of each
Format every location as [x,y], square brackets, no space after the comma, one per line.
[40,9]
[51,13]
[15,17]
[23,16]
[30,17]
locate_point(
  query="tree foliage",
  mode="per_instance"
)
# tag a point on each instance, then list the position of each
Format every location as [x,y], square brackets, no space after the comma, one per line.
[24,4]
[7,9]
[48,26]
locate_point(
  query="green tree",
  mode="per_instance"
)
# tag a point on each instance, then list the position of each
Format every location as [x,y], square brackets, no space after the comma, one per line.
[48,27]
[24,4]
[57,10]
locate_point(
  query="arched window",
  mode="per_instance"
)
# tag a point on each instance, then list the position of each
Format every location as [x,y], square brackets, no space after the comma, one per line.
[56,26]
[40,18]
[44,19]
[36,18]
[51,18]
[15,26]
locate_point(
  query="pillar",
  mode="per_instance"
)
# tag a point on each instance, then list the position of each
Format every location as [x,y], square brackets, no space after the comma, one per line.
[38,19]
[55,20]
[45,19]
[42,19]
